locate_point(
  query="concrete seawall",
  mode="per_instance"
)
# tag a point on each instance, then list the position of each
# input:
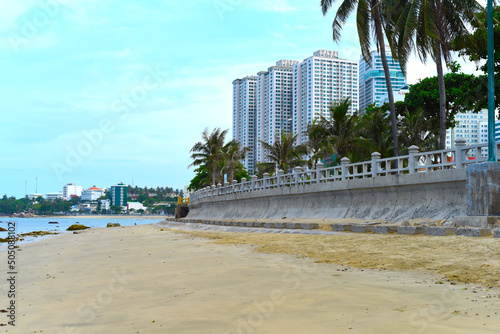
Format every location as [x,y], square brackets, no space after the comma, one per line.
[436,195]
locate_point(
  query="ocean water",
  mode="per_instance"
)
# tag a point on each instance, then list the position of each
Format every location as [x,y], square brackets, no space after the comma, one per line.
[25,225]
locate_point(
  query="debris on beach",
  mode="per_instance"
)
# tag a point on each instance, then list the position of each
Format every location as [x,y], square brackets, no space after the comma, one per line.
[76,227]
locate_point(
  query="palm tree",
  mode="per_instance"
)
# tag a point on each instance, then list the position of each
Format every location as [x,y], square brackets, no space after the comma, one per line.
[264,167]
[316,141]
[369,16]
[375,126]
[232,153]
[429,27]
[343,131]
[283,153]
[208,152]
[415,131]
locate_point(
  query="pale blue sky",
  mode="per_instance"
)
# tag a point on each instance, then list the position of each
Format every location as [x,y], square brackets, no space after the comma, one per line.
[95,92]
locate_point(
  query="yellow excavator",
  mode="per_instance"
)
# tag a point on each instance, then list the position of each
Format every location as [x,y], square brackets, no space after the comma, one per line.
[182,208]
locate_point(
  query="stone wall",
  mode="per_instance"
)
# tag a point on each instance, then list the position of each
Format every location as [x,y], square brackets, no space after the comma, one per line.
[436,195]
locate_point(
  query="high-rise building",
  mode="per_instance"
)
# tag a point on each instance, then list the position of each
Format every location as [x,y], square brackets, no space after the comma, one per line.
[274,105]
[289,96]
[119,194]
[473,127]
[244,108]
[319,81]
[71,190]
[372,85]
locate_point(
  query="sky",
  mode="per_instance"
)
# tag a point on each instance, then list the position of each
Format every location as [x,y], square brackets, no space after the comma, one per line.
[97,92]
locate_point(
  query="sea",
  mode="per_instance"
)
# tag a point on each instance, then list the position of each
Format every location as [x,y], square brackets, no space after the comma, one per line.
[25,225]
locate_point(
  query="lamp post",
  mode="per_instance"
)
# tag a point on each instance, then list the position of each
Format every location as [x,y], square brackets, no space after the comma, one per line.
[491,86]
[281,124]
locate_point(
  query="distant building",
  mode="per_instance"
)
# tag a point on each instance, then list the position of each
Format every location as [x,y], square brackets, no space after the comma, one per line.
[473,127]
[53,196]
[274,106]
[92,194]
[135,206]
[71,190]
[399,95]
[244,110]
[35,196]
[119,194]
[105,204]
[319,81]
[372,85]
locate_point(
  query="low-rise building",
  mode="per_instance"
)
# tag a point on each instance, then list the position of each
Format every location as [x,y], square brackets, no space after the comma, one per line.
[92,194]
[105,204]
[71,190]
[53,196]
[135,206]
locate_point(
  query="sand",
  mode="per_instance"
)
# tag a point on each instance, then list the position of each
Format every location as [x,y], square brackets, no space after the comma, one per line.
[140,279]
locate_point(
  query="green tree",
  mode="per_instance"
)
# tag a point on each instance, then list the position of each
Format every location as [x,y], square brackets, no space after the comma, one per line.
[316,142]
[343,132]
[264,167]
[232,153]
[208,152]
[475,46]
[116,209]
[284,153]
[375,126]
[424,96]
[201,179]
[429,27]
[370,21]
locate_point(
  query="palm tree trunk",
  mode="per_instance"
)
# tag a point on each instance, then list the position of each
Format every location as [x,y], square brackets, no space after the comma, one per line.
[442,99]
[392,108]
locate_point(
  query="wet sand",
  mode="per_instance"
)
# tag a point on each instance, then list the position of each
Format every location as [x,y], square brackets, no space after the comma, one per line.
[142,279]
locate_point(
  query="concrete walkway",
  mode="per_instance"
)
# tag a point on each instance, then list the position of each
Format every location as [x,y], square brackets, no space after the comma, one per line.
[239,229]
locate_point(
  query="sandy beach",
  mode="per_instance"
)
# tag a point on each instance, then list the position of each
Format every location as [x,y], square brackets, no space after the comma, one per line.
[145,279]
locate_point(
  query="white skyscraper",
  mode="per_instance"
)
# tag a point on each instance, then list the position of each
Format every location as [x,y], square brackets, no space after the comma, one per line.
[274,105]
[473,127]
[289,96]
[244,108]
[372,85]
[318,82]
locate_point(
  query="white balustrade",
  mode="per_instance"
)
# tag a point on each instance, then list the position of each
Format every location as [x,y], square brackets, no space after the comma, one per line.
[415,162]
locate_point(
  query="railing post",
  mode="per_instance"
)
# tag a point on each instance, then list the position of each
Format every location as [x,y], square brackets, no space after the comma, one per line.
[242,186]
[412,151]
[279,176]
[319,166]
[234,184]
[343,167]
[375,158]
[212,190]
[226,188]
[265,180]
[459,156]
[253,178]
[296,171]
